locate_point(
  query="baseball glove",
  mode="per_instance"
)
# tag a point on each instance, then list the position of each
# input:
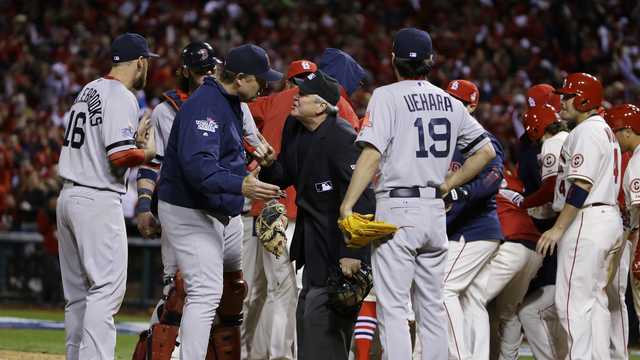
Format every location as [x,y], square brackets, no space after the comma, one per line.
[361,230]
[270,227]
[346,294]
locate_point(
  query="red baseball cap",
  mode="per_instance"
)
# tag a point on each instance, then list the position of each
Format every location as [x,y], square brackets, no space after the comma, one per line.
[625,116]
[541,94]
[464,90]
[301,67]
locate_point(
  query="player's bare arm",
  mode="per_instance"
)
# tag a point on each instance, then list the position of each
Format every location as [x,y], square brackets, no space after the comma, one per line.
[550,238]
[366,167]
[471,167]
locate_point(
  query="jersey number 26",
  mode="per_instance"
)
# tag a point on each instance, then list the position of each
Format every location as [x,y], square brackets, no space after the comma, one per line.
[441,136]
[74,134]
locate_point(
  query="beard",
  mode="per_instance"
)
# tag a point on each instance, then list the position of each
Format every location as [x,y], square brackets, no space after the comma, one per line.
[141,81]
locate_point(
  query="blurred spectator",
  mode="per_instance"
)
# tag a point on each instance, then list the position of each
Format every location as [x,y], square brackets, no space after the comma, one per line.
[48,50]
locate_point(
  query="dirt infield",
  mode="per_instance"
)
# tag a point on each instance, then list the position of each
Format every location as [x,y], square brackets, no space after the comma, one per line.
[17,355]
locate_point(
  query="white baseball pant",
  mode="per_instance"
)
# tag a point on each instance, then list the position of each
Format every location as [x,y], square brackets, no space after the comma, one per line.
[416,253]
[205,248]
[269,328]
[616,290]
[584,254]
[92,240]
[539,319]
[505,277]
[464,262]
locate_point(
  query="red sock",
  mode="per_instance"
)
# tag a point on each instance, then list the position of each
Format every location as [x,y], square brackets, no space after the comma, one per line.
[365,328]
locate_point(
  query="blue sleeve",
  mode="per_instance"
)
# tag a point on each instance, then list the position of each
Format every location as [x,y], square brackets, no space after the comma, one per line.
[199,153]
[485,185]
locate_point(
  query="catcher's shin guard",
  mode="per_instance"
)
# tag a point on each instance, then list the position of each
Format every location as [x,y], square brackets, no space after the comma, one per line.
[160,340]
[140,352]
[224,341]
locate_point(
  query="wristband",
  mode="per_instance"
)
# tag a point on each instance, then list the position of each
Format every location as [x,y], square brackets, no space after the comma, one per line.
[145,173]
[576,196]
[143,205]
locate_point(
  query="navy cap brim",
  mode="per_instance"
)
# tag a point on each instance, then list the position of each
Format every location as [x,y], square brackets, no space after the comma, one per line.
[152,55]
[270,75]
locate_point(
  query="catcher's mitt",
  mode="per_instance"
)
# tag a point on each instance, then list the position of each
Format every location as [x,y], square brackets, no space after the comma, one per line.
[270,227]
[360,230]
[346,294]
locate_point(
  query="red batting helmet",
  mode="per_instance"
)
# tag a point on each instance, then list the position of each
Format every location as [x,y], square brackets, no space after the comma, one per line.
[465,91]
[537,119]
[586,88]
[541,94]
[625,116]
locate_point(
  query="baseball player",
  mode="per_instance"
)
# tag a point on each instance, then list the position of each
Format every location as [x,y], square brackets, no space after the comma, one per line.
[199,59]
[589,223]
[99,145]
[474,233]
[200,193]
[409,134]
[624,120]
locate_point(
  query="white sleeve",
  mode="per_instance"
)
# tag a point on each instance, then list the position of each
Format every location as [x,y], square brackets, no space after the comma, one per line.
[585,155]
[120,113]
[378,122]
[161,120]
[249,126]
[549,158]
[632,184]
[471,136]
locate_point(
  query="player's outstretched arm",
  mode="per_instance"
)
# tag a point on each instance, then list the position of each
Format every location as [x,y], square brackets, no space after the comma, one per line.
[471,167]
[576,197]
[366,167]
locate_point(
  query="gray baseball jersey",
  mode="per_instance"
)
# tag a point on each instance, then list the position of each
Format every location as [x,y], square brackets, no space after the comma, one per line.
[414,125]
[102,121]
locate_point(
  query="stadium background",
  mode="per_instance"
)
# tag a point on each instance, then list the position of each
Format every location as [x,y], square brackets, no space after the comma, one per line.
[49,49]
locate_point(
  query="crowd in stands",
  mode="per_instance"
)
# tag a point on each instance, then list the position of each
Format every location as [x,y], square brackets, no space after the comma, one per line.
[49,50]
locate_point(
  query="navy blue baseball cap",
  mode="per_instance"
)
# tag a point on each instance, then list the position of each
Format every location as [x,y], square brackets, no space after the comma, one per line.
[251,60]
[413,44]
[321,84]
[130,46]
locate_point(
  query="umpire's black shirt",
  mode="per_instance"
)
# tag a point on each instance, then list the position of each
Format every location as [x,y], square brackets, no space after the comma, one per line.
[319,165]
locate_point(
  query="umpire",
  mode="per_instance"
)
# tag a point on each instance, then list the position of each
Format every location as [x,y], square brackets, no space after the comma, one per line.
[317,157]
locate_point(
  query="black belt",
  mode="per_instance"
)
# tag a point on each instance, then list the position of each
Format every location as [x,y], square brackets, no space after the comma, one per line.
[73,183]
[596,204]
[224,219]
[410,192]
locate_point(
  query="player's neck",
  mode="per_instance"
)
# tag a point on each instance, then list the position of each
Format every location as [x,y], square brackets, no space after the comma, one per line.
[584,116]
[123,75]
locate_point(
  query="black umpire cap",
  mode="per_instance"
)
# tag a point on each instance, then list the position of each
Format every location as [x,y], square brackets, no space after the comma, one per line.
[321,84]
[130,46]
[200,55]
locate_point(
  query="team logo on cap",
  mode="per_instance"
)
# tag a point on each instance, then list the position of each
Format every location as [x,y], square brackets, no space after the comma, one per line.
[116,58]
[531,101]
[306,65]
[203,54]
[577,160]
[412,54]
[454,85]
[635,186]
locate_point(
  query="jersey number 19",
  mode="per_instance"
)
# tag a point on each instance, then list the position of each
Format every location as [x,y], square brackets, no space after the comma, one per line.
[441,136]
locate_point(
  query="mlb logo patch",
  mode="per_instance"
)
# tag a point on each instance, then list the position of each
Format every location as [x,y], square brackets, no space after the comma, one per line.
[324,186]
[208,125]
